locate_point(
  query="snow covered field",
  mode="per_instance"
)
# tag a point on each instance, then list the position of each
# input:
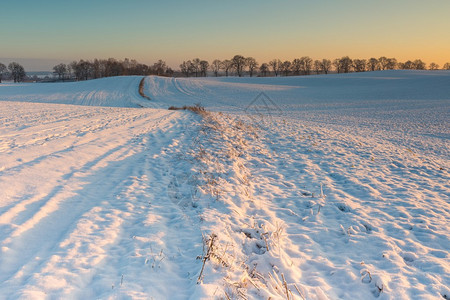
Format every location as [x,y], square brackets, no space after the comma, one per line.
[338,188]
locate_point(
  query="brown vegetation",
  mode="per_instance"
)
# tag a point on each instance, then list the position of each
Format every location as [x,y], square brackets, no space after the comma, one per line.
[141,89]
[197,108]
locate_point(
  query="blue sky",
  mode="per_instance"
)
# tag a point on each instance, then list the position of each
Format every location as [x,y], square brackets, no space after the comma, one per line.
[174,31]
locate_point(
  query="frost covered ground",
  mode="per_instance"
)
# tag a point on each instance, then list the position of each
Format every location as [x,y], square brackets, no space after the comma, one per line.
[322,187]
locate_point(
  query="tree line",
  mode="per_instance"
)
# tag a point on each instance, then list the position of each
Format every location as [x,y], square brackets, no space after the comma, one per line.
[99,68]
[16,72]
[240,65]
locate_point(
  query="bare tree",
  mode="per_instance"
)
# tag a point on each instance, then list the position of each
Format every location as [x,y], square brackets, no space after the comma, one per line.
[227,65]
[419,65]
[160,67]
[204,65]
[17,72]
[83,69]
[238,64]
[286,67]
[306,64]
[407,65]
[264,68]
[391,64]
[446,66]
[387,63]
[383,62]
[296,66]
[185,68]
[276,65]
[190,66]
[133,67]
[359,65]
[113,67]
[326,65]
[60,70]
[434,66]
[337,65]
[317,66]
[373,64]
[2,71]
[346,64]
[69,71]
[216,66]
[96,69]
[196,66]
[252,64]
[86,69]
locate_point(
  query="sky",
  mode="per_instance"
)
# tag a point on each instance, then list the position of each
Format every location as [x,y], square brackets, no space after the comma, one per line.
[39,34]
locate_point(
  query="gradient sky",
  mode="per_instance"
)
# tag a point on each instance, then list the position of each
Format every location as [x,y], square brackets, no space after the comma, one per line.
[43,32]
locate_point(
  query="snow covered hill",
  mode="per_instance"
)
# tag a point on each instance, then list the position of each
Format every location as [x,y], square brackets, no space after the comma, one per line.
[110,92]
[321,187]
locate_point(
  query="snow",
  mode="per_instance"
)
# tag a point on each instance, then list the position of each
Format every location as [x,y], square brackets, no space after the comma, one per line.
[111,92]
[322,187]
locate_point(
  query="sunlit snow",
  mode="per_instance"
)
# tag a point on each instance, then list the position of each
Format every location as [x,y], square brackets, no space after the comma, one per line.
[326,187]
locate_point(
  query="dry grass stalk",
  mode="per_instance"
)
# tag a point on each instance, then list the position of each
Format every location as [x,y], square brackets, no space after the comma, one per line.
[207,256]
[285,286]
[298,291]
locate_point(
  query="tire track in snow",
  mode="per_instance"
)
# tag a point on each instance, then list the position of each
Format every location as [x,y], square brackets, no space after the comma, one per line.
[59,157]
[60,244]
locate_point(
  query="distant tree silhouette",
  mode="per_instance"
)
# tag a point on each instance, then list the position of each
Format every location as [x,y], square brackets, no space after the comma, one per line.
[434,66]
[227,65]
[196,66]
[160,67]
[296,66]
[383,61]
[263,69]
[204,65]
[446,66]
[326,65]
[286,67]
[98,69]
[337,65]
[346,64]
[2,71]
[113,67]
[306,64]
[373,64]
[317,66]
[391,64]
[359,65]
[17,72]
[216,66]
[238,62]
[186,68]
[407,65]
[276,66]
[419,65]
[252,64]
[60,70]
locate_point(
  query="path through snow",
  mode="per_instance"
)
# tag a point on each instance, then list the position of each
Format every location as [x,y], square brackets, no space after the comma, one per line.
[85,210]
